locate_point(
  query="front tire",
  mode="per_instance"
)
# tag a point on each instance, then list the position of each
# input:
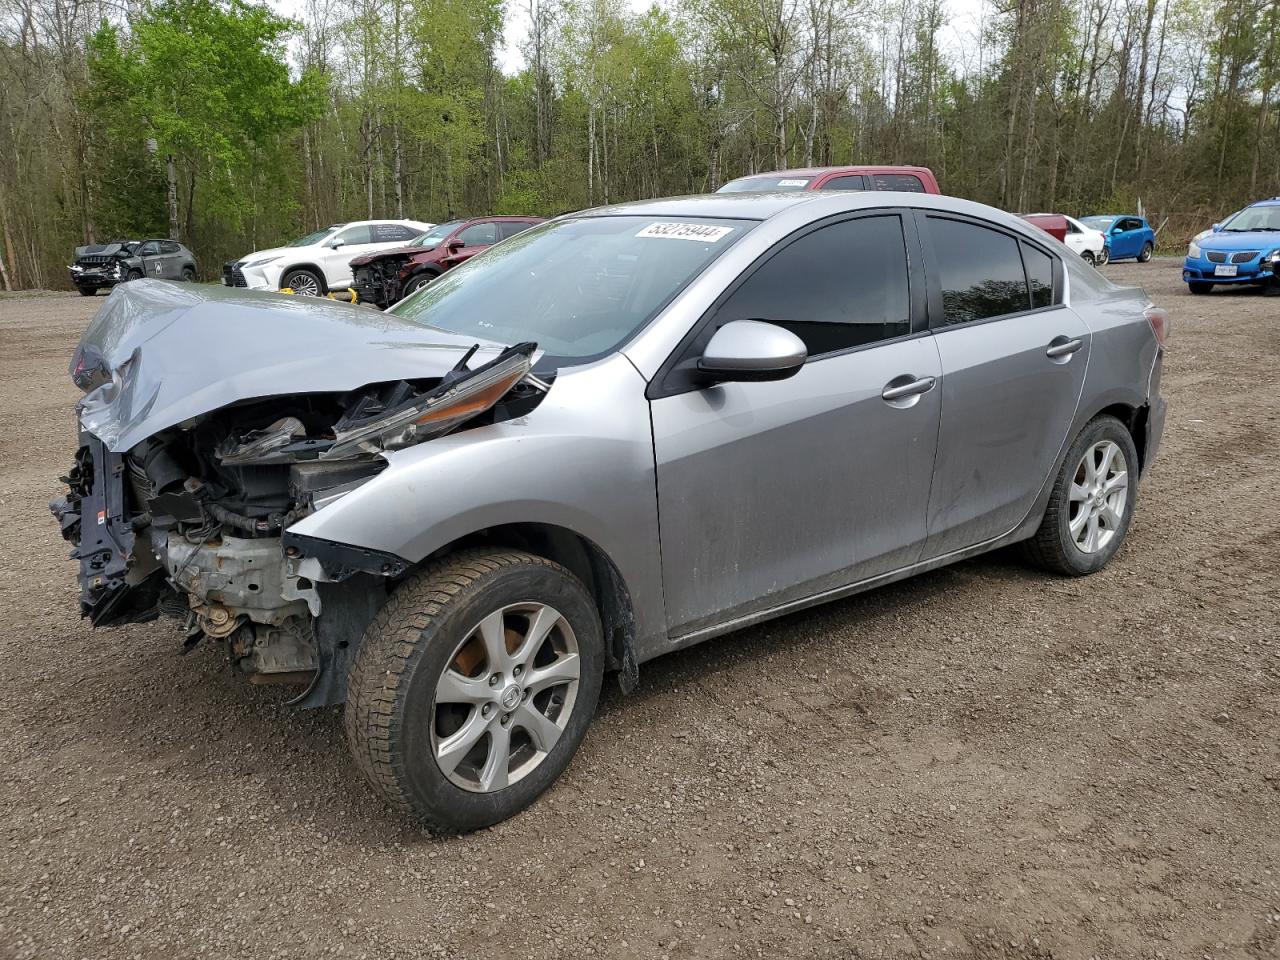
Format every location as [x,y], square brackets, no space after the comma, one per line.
[1089,258]
[87,291]
[1144,256]
[1091,503]
[304,283]
[1104,257]
[474,686]
[188,275]
[417,282]
[1199,287]
[133,275]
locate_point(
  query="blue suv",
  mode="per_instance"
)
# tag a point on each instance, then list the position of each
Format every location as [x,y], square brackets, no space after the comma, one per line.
[1128,237]
[1244,248]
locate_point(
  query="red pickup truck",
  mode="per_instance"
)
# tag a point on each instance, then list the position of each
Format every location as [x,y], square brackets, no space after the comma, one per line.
[906,179]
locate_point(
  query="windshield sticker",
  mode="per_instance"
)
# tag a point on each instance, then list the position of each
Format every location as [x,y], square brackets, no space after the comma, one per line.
[686,231]
[793,183]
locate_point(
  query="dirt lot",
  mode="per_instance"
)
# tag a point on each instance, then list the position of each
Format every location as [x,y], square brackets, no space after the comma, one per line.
[982,762]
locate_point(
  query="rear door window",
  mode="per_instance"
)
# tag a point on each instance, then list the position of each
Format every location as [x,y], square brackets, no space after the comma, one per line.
[980,272]
[391,233]
[853,181]
[905,182]
[510,229]
[479,235]
[841,286]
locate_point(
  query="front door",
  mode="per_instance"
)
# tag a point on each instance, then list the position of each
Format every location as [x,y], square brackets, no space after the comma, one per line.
[773,492]
[1013,364]
[152,259]
[470,241]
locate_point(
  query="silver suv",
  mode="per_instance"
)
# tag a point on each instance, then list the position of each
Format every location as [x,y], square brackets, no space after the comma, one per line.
[619,433]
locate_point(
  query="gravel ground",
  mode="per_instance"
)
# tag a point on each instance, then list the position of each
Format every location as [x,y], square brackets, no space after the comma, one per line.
[982,762]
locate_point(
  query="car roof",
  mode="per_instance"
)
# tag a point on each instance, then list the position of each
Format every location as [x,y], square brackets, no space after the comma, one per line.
[1268,202]
[820,203]
[822,171]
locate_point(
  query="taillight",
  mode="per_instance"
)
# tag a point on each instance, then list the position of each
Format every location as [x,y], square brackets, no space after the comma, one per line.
[1159,320]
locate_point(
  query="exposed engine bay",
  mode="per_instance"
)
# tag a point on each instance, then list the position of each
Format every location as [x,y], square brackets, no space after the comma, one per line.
[380,281]
[190,522]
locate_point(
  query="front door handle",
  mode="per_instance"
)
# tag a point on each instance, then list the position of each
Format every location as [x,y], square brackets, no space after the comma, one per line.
[897,390]
[1061,347]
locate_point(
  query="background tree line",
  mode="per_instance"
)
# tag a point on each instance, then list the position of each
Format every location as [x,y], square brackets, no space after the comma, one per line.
[231,127]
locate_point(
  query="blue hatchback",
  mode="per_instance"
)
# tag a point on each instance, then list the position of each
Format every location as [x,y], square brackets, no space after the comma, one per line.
[1245,248]
[1128,237]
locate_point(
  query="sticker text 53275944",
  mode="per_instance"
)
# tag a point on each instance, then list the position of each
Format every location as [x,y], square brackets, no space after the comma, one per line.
[685,231]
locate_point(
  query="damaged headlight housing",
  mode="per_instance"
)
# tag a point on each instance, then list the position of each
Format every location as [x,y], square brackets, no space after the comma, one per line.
[461,395]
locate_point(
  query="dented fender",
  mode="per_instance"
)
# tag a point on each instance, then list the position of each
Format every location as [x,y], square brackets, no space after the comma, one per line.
[582,461]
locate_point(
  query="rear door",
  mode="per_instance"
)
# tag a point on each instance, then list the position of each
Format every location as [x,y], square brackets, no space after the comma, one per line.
[1013,365]
[773,492]
[171,255]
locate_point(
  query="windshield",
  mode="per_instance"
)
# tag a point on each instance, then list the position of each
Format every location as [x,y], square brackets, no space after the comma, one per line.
[1098,223]
[1254,218]
[433,237]
[754,184]
[311,238]
[579,287]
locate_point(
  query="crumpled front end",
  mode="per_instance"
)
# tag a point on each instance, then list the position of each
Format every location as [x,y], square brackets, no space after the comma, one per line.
[188,521]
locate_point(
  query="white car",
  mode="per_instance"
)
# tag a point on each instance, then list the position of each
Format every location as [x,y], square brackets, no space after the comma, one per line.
[312,265]
[1086,241]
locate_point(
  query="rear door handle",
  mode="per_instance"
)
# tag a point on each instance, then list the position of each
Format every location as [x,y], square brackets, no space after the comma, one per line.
[1062,347]
[895,389]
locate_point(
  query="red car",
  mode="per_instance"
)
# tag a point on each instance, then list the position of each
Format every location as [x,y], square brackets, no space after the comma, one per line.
[1054,224]
[905,179]
[388,276]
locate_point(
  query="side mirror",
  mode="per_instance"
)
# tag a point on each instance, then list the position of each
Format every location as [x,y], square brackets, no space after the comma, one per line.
[1216,228]
[752,350]
[456,244]
[1116,229]
[337,242]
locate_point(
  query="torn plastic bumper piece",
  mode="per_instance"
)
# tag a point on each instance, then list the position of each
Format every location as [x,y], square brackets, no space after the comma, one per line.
[310,556]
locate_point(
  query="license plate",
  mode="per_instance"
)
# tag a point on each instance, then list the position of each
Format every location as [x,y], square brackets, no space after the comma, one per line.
[1225,270]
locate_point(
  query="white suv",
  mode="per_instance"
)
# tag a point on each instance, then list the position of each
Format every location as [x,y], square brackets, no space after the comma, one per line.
[320,261]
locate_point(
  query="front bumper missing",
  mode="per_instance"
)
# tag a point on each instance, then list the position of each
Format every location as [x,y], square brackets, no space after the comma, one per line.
[93,517]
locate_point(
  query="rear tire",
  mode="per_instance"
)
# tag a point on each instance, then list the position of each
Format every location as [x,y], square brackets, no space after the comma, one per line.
[1089,510]
[304,283]
[454,717]
[1147,250]
[1089,258]
[1199,286]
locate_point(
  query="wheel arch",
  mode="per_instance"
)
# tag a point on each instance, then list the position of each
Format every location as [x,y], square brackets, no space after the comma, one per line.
[311,268]
[584,559]
[1134,417]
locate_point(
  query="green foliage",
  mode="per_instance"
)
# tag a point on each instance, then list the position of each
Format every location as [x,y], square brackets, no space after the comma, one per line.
[398,107]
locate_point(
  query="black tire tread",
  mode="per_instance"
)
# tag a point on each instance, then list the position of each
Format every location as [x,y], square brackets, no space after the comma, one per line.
[390,644]
[1043,549]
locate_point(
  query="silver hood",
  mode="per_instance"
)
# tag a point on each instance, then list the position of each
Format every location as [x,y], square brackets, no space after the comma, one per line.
[159,353]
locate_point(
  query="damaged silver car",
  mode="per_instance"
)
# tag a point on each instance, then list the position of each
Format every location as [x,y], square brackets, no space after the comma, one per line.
[614,435]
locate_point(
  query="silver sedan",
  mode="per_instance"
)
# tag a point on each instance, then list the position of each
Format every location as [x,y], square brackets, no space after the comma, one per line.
[614,435]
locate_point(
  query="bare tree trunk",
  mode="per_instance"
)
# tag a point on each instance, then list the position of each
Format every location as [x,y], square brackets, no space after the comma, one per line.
[172,174]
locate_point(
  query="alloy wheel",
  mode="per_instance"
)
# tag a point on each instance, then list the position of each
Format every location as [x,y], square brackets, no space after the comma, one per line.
[304,285]
[505,697]
[1098,497]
